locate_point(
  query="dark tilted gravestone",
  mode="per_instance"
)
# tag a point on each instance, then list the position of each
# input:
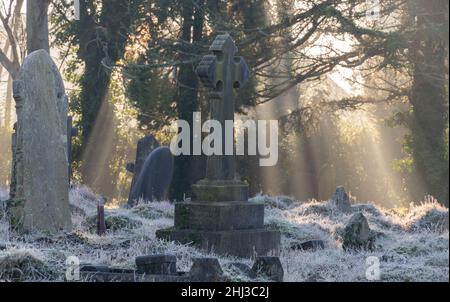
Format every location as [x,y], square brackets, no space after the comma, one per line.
[206,270]
[357,234]
[154,178]
[40,191]
[341,200]
[219,218]
[269,267]
[145,146]
[157,264]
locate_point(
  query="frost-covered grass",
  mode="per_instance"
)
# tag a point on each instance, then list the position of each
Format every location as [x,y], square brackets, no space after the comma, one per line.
[412,244]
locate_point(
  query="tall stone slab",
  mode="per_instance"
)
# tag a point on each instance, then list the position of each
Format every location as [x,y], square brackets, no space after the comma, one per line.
[220,218]
[145,146]
[40,195]
[154,178]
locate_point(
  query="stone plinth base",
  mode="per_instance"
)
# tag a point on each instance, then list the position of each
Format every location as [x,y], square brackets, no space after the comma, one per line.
[239,243]
[224,190]
[219,216]
[220,219]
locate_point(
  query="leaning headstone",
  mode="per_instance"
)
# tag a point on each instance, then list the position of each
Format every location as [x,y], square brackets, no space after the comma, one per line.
[219,217]
[269,267]
[357,234]
[206,270]
[40,197]
[156,264]
[341,200]
[155,177]
[145,146]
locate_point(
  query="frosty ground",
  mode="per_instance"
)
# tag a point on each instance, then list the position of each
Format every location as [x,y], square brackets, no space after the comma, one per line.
[412,244]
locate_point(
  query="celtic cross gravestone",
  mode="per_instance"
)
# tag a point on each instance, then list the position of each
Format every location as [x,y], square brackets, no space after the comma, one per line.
[220,218]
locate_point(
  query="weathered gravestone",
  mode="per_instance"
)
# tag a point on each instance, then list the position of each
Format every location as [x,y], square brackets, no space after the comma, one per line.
[71,132]
[219,218]
[154,178]
[40,182]
[206,270]
[269,267]
[341,200]
[145,146]
[357,234]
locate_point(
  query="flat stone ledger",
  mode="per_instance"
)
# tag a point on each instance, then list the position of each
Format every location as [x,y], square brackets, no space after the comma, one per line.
[218,191]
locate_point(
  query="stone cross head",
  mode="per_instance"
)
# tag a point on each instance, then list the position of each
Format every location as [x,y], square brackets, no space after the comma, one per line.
[223,70]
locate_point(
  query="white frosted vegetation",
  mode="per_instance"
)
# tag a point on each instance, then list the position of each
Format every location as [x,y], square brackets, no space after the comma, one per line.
[412,244]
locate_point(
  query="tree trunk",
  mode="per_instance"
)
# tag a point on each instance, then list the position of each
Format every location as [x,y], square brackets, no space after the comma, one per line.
[429,98]
[102,40]
[37,25]
[5,51]
[187,95]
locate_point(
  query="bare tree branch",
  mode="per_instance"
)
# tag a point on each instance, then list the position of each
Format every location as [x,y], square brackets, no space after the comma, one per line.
[11,65]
